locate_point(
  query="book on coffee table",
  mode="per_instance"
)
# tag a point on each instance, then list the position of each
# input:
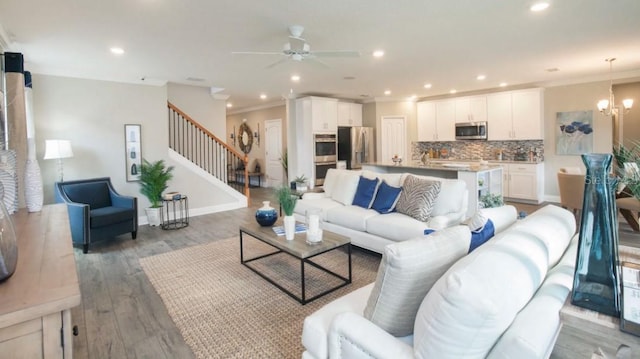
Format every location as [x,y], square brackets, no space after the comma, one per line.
[300,228]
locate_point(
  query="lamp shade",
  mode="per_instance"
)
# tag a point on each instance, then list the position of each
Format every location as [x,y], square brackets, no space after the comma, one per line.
[55,149]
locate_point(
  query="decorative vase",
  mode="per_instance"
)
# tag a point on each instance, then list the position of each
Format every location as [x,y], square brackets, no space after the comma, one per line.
[289,227]
[266,215]
[313,218]
[8,245]
[596,279]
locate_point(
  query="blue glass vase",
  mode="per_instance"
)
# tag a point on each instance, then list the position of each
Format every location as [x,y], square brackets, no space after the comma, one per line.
[596,279]
[266,215]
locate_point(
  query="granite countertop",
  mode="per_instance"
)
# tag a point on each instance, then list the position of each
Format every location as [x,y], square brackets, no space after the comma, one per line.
[457,166]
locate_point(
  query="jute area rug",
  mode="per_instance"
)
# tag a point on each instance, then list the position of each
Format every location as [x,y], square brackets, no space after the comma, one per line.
[224,310]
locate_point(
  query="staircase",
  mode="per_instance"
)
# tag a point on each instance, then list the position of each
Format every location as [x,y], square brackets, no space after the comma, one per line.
[195,143]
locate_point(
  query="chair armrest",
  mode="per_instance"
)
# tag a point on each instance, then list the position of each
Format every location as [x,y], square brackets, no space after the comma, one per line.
[123,201]
[353,336]
[79,221]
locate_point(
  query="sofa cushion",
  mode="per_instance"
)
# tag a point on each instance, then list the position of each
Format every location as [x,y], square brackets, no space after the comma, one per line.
[95,194]
[365,192]
[553,226]
[452,196]
[386,198]
[407,272]
[345,188]
[107,216]
[470,306]
[392,179]
[418,197]
[352,217]
[331,180]
[323,204]
[395,226]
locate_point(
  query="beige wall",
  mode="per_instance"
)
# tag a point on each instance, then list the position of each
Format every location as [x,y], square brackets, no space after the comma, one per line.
[631,119]
[92,114]
[255,119]
[198,103]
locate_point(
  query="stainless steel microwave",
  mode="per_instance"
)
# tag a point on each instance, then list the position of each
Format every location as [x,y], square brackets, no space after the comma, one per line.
[471,130]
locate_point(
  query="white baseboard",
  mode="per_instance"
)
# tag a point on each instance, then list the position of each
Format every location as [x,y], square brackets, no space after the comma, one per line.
[195,212]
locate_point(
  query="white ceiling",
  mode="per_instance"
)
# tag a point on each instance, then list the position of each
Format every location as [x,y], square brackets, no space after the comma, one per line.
[443,42]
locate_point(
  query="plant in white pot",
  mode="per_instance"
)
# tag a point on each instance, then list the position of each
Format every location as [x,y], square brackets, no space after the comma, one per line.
[288,203]
[301,183]
[154,179]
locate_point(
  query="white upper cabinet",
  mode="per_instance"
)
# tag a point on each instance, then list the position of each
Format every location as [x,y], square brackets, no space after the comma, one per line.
[471,109]
[436,120]
[349,114]
[515,115]
[324,114]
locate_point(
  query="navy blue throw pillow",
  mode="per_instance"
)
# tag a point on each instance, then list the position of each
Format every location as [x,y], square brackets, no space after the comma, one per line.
[365,192]
[386,198]
[428,231]
[480,237]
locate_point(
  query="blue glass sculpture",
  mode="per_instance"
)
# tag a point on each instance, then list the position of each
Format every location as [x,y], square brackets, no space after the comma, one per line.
[596,279]
[266,215]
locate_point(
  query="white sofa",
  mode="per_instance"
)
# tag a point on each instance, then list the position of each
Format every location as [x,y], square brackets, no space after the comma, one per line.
[500,301]
[370,229]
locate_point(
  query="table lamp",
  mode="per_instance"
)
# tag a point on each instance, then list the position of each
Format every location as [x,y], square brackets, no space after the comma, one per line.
[58,149]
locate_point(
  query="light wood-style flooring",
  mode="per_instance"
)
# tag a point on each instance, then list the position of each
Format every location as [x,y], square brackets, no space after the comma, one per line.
[121,315]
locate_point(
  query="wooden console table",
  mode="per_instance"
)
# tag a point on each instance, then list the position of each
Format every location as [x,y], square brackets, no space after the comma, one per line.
[36,302]
[585,332]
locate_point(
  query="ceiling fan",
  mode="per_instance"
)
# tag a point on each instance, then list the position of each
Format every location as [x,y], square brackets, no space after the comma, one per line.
[299,50]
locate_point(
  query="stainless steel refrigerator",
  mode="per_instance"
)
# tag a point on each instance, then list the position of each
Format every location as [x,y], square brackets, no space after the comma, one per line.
[356,145]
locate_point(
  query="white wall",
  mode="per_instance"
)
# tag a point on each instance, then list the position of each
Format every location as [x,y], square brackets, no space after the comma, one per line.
[92,114]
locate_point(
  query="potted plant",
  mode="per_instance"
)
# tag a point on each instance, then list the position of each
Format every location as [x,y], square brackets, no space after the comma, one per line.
[287,202]
[301,183]
[491,200]
[154,177]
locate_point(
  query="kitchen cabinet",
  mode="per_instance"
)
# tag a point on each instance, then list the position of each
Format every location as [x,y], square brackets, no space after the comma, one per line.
[471,109]
[321,113]
[515,115]
[349,114]
[523,182]
[436,120]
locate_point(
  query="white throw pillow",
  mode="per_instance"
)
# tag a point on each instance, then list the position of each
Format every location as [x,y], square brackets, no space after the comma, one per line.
[407,272]
[345,187]
[330,181]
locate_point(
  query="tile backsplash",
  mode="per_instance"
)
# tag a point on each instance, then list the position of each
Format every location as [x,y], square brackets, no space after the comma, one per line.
[487,150]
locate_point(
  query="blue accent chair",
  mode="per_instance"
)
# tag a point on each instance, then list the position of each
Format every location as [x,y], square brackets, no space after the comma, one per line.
[96,210]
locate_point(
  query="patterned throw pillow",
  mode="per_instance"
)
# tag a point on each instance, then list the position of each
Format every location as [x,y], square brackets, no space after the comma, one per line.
[418,197]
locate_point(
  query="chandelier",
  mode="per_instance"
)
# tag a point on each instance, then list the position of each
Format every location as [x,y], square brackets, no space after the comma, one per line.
[607,107]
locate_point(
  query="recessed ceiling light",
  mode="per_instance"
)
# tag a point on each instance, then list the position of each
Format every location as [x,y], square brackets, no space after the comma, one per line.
[481,77]
[295,78]
[427,86]
[263,96]
[229,105]
[378,53]
[387,92]
[452,91]
[117,50]
[503,84]
[553,69]
[348,78]
[539,6]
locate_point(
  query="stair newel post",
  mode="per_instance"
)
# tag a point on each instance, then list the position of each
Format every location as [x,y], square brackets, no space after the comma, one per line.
[246,178]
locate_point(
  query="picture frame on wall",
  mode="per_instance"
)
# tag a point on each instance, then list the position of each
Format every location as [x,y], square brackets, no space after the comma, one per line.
[133,151]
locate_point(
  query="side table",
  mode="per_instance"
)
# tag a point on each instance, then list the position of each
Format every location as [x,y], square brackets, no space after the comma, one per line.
[175,213]
[585,332]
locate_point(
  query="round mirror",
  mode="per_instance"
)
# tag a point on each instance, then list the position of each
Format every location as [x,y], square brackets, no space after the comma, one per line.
[245,138]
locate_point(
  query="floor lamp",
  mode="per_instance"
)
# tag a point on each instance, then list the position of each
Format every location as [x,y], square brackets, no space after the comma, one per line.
[58,149]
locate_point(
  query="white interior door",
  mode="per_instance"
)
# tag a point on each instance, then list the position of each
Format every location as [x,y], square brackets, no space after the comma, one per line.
[393,138]
[273,152]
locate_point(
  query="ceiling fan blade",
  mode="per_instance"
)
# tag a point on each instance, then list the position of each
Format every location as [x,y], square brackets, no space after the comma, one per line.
[336,53]
[257,53]
[314,61]
[277,63]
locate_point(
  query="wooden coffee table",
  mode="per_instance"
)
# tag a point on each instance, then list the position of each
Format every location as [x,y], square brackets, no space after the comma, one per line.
[299,249]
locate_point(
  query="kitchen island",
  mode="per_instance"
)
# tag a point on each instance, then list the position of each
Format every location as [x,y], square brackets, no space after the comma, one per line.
[480,178]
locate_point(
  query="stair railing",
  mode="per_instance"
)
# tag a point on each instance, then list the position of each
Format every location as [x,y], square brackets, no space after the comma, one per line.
[194,142]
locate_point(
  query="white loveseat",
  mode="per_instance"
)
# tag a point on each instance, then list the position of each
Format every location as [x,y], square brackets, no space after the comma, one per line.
[370,229]
[500,301]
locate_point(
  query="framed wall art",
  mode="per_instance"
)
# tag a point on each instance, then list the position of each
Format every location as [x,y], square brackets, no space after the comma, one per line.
[574,132]
[133,154]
